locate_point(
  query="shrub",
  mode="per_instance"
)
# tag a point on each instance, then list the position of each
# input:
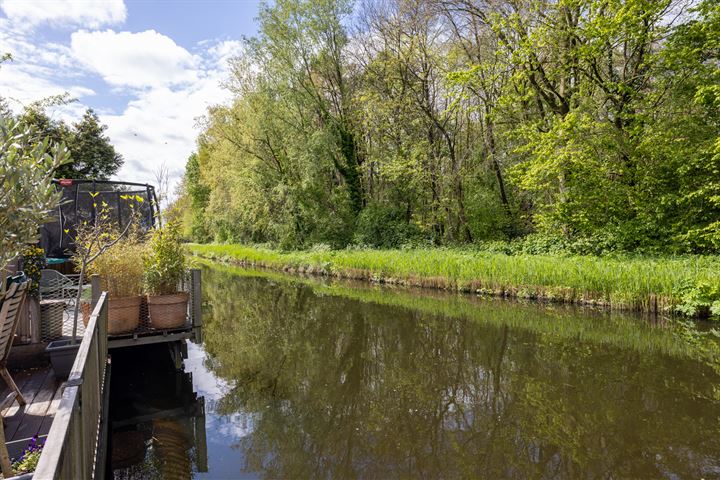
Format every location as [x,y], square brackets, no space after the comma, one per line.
[27,163]
[164,261]
[384,227]
[120,269]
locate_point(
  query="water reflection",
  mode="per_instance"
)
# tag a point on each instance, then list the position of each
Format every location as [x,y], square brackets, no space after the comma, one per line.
[158,421]
[326,386]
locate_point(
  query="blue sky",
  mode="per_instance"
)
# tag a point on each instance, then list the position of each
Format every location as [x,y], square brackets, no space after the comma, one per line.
[150,68]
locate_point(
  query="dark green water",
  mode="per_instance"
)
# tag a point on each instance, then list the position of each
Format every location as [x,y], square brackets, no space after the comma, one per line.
[304,379]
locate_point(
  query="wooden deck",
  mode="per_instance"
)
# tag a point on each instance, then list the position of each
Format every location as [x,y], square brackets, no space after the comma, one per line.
[42,391]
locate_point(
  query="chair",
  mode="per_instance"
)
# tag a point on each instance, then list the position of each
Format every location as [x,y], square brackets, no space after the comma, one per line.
[55,285]
[9,317]
[12,303]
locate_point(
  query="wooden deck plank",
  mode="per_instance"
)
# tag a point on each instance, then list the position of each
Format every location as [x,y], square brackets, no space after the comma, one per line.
[36,410]
[28,381]
[13,416]
[47,421]
[20,378]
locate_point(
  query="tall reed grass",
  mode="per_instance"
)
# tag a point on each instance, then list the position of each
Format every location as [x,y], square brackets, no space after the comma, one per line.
[648,284]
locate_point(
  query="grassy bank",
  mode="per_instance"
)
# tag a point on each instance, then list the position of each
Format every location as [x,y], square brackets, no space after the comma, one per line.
[687,284]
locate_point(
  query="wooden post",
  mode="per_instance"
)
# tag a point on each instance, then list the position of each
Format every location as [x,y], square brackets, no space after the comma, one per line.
[34,307]
[95,288]
[7,470]
[196,290]
[201,437]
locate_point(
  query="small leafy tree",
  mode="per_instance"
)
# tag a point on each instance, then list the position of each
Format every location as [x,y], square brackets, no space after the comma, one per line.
[95,237]
[27,195]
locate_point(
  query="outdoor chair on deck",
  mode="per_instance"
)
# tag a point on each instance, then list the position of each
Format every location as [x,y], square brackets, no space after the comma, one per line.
[9,317]
[12,303]
[55,285]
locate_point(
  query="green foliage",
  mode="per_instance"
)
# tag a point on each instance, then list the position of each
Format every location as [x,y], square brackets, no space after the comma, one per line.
[199,195]
[593,125]
[27,163]
[164,261]
[384,227]
[699,298]
[92,154]
[636,283]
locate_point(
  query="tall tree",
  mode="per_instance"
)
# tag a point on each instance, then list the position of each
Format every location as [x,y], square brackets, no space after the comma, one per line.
[92,155]
[591,123]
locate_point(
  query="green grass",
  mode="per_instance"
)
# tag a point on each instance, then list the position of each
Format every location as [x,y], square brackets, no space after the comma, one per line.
[649,284]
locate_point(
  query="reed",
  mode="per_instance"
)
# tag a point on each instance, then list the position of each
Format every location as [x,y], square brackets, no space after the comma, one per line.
[646,284]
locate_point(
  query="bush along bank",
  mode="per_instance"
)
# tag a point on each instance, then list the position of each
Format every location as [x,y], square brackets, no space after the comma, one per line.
[688,285]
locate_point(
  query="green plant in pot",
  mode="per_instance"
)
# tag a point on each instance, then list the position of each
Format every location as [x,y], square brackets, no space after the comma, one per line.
[121,275]
[165,264]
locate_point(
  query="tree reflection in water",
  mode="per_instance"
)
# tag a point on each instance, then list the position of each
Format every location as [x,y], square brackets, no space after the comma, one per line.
[346,388]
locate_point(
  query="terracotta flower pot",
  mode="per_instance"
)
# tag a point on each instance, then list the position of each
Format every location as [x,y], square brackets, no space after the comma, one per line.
[123,314]
[168,311]
[86,310]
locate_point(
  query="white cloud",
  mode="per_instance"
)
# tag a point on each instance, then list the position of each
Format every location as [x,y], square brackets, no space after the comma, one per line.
[37,71]
[89,13]
[160,124]
[144,59]
[155,91]
[24,84]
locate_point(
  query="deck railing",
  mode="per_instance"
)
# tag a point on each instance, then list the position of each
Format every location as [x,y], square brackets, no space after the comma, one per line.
[72,446]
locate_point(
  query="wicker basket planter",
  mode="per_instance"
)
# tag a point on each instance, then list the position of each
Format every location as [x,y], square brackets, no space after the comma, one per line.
[168,311]
[123,314]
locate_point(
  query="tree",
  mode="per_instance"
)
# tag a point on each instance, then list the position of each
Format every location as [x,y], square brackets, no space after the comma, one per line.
[92,154]
[591,123]
[198,195]
[27,196]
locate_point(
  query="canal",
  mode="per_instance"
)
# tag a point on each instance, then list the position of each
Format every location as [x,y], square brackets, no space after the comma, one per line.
[308,378]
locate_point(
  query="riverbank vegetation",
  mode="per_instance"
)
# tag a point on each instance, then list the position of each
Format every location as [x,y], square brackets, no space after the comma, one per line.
[686,285]
[591,126]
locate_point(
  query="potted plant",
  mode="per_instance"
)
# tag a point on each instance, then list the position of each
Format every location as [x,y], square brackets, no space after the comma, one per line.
[28,460]
[164,264]
[121,275]
[33,261]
